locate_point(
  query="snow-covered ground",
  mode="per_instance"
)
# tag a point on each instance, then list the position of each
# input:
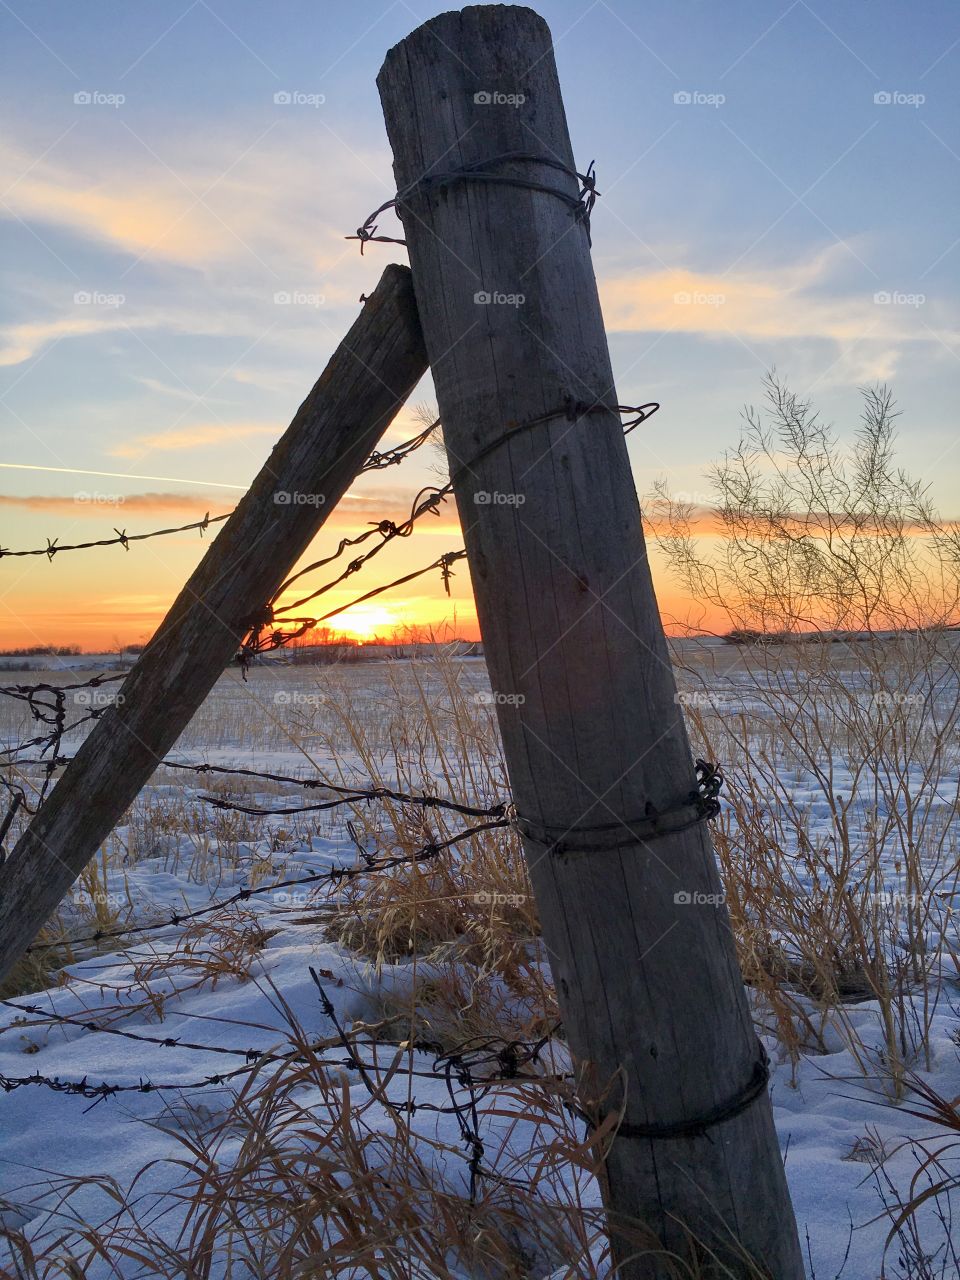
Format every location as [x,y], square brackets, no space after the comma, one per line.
[828,1114]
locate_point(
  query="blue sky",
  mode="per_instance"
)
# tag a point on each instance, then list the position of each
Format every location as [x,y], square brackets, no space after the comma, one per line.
[781,200]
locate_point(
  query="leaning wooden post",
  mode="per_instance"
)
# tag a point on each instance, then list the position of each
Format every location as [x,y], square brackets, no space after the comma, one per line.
[368,378]
[641,952]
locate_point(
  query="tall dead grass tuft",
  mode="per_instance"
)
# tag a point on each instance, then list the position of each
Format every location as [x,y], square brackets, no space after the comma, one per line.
[305,1172]
[835,717]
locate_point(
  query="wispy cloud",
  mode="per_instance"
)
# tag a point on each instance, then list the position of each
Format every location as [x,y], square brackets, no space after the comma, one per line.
[103,505]
[177,393]
[210,201]
[803,300]
[354,512]
[23,340]
[196,436]
[20,342]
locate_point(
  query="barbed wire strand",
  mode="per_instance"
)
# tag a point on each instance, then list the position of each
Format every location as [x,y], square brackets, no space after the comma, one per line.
[332,875]
[376,462]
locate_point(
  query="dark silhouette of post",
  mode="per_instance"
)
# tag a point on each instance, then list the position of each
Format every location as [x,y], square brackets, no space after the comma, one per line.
[368,378]
[598,757]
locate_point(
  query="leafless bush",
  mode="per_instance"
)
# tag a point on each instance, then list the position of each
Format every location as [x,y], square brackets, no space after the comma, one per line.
[840,742]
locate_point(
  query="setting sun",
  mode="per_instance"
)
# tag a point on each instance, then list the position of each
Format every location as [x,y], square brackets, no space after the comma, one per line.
[367,621]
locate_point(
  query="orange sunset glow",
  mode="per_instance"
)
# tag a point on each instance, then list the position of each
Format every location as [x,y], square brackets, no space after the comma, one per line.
[183,274]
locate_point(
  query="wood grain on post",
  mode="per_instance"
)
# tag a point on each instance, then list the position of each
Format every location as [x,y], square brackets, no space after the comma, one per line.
[642,955]
[367,379]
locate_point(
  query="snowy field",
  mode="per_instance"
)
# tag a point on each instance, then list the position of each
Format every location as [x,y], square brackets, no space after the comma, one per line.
[240,980]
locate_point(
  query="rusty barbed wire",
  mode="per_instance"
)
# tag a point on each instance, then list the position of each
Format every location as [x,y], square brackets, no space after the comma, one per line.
[377,461]
[359,795]
[509,1056]
[426,502]
[581,205]
[393,457]
[47,705]
[47,702]
[370,864]
[457,1066]
[44,1017]
[256,643]
[52,712]
[27,692]
[349,794]
[123,539]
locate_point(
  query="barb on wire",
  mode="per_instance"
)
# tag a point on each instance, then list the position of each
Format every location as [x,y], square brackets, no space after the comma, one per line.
[54,715]
[47,704]
[356,797]
[393,457]
[350,795]
[43,1017]
[457,1067]
[372,793]
[30,693]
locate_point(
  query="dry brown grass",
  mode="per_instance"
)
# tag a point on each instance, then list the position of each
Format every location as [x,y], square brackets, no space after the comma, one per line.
[305,1174]
[837,850]
[468,918]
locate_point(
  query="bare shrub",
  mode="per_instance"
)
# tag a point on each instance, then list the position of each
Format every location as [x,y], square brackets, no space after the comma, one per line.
[840,741]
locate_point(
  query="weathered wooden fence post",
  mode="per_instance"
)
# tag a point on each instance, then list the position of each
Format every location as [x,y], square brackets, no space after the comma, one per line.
[367,379]
[638,939]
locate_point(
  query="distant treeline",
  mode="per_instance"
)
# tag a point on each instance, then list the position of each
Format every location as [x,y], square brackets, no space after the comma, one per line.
[745,635]
[348,650]
[43,651]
